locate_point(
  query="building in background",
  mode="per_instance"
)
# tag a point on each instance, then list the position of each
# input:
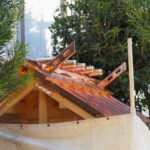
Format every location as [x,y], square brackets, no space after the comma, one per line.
[33,29]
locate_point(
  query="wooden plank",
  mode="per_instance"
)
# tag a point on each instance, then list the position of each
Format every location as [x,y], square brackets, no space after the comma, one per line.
[20,107]
[111,77]
[15,98]
[9,117]
[68,64]
[31,99]
[43,113]
[70,105]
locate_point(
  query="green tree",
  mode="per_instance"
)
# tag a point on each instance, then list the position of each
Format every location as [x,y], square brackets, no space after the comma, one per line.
[101,29]
[14,53]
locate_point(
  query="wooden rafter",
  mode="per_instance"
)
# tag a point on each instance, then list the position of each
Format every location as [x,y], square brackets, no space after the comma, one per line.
[111,77]
[97,72]
[69,64]
[15,98]
[78,68]
[89,69]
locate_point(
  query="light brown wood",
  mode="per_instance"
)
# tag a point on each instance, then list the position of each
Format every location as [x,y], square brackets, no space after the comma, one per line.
[98,72]
[43,113]
[73,107]
[61,106]
[15,98]
[131,76]
[112,76]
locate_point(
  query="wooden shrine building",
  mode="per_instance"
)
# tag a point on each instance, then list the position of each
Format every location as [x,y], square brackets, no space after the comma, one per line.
[63,90]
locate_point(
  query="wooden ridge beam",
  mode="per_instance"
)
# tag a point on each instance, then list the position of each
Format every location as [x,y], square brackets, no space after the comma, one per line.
[111,77]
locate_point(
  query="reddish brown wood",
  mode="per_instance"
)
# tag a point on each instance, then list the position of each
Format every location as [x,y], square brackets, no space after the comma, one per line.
[111,77]
[98,72]
[61,58]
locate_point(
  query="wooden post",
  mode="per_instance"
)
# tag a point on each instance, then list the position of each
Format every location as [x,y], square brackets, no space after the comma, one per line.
[131,76]
[43,112]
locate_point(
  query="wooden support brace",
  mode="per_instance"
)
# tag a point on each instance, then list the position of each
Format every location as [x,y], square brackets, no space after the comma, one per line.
[43,111]
[111,77]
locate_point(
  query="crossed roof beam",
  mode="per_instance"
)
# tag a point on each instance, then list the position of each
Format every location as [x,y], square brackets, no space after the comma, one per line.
[62,61]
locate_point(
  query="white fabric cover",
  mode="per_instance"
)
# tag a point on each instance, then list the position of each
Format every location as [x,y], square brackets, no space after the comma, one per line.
[125,132]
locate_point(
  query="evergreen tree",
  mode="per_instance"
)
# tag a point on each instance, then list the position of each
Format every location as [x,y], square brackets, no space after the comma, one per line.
[101,29]
[12,54]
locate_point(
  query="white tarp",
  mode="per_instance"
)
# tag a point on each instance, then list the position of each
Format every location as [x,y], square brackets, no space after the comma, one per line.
[124,132]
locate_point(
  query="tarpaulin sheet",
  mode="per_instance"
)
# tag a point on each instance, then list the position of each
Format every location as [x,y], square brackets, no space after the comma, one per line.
[125,132]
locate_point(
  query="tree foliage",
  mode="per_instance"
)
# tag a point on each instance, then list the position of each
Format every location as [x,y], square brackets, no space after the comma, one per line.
[101,29]
[14,53]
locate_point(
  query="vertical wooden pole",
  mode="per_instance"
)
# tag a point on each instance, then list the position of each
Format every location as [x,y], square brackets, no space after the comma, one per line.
[43,112]
[131,76]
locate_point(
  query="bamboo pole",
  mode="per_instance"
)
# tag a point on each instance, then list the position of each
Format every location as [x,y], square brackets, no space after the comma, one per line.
[131,76]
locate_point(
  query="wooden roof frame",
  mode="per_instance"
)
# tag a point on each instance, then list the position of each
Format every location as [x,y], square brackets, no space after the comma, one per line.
[88,98]
[15,98]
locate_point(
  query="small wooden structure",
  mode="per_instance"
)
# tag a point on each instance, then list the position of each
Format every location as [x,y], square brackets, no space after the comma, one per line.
[63,90]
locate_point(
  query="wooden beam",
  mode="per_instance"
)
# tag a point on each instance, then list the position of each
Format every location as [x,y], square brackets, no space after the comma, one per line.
[70,105]
[111,77]
[61,58]
[89,69]
[31,99]
[43,112]
[69,64]
[78,68]
[98,72]
[131,76]
[15,98]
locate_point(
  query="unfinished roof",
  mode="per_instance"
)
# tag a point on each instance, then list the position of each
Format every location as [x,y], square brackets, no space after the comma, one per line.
[74,82]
